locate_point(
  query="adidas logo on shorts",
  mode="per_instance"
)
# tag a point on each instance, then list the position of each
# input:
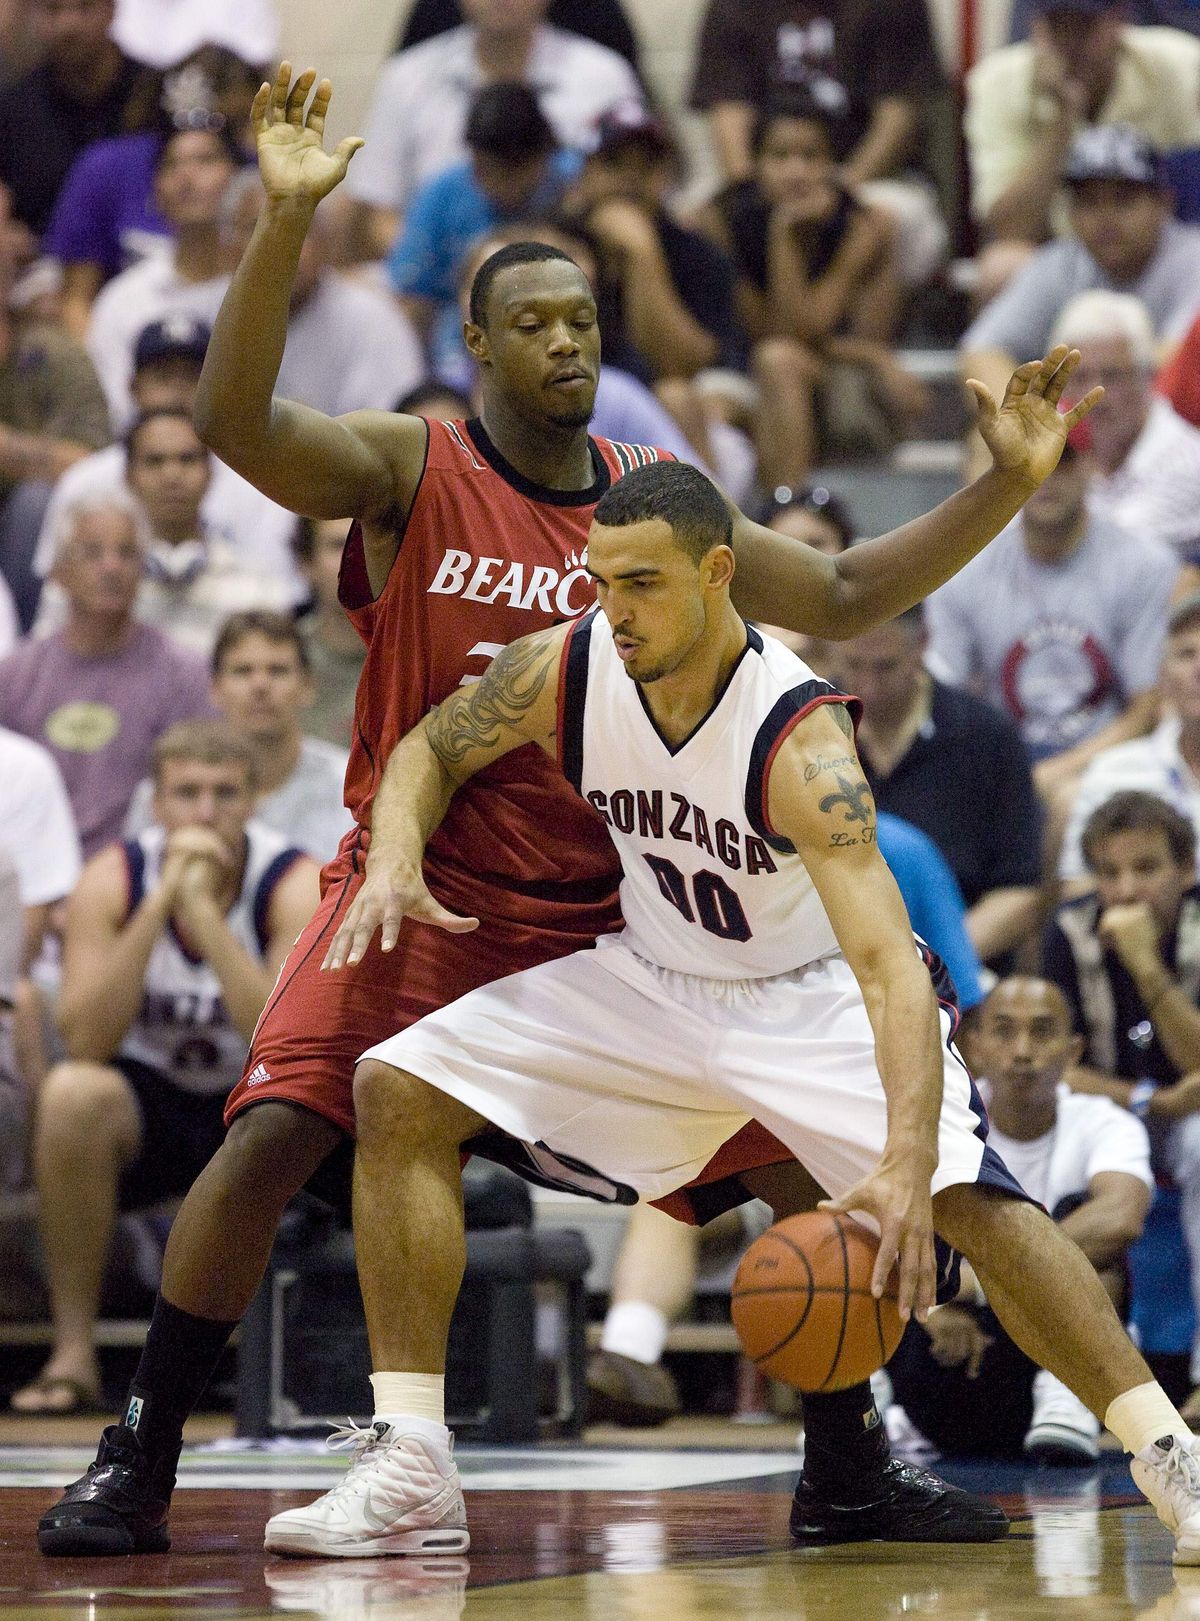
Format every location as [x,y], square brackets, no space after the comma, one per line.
[258,1075]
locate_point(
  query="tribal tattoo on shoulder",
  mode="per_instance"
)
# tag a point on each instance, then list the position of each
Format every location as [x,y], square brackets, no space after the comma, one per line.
[474,717]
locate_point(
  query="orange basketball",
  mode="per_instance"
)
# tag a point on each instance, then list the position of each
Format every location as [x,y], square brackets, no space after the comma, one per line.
[803,1308]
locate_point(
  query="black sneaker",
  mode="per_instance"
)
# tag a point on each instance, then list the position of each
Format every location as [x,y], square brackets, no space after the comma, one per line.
[120,1506]
[899,1503]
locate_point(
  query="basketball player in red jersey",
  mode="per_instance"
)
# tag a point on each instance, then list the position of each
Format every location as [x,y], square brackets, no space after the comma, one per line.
[467,536]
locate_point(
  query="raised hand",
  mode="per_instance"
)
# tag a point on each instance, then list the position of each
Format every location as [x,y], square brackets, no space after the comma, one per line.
[388,895]
[1027,432]
[291,156]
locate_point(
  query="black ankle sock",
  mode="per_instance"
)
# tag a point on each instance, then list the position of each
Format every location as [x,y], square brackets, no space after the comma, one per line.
[177,1361]
[843,1434]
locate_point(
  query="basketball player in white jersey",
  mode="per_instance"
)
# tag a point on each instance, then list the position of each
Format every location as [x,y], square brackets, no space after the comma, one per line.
[766,969]
[173,941]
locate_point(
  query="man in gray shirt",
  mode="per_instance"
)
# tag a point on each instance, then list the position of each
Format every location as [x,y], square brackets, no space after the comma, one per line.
[1124,239]
[1060,623]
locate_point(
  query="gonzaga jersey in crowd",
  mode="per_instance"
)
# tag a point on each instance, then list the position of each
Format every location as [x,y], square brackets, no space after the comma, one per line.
[485,558]
[708,887]
[182,1028]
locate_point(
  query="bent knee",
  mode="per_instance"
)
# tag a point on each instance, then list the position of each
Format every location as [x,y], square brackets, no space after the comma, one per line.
[276,1144]
[92,1097]
[388,1100]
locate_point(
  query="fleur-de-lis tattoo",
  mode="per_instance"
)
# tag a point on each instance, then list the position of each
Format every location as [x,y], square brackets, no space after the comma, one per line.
[856,796]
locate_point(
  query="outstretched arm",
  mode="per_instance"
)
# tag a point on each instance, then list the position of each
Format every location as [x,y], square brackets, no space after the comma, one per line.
[785,582]
[819,799]
[515,702]
[363,465]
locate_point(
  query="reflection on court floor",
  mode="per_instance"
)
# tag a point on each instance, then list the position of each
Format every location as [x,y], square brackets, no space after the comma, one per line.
[593,1535]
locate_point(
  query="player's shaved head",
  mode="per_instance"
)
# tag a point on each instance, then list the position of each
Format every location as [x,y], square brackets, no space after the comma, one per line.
[1026,995]
[507,258]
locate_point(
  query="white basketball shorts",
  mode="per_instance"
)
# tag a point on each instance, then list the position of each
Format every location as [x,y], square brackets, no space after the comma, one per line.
[642,1073]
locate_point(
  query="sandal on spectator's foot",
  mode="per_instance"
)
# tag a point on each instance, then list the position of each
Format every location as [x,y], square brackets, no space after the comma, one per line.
[56,1395]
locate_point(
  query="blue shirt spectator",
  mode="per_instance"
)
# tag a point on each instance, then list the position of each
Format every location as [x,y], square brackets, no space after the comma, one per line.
[516,171]
[452,211]
[935,903]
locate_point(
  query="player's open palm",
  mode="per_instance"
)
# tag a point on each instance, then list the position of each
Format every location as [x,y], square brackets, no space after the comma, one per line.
[291,154]
[389,894]
[1027,432]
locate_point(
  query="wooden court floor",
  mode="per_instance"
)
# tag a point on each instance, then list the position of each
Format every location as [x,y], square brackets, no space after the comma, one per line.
[684,1535]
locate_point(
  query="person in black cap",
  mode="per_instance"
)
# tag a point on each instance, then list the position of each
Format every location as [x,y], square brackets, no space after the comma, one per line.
[167,358]
[1083,65]
[1125,240]
[516,170]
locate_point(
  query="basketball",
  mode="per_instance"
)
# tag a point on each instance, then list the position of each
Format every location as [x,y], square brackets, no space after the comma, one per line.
[803,1308]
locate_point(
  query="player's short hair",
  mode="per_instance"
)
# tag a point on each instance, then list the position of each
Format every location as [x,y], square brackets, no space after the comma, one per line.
[276,627]
[212,742]
[1132,811]
[515,253]
[677,493]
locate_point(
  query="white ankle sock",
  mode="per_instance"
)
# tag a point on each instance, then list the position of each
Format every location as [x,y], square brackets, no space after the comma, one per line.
[1142,1415]
[636,1330]
[412,1401]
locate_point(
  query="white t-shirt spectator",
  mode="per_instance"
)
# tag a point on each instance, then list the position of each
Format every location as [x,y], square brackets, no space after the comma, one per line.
[419,110]
[1156,490]
[349,348]
[308,808]
[163,32]
[1090,1135]
[258,531]
[1150,765]
[37,829]
[1061,647]
[148,291]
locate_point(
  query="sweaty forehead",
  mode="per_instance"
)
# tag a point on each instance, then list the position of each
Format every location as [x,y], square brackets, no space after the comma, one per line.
[546,282]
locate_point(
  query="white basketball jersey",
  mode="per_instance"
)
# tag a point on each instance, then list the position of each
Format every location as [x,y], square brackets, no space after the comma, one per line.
[182,1028]
[708,886]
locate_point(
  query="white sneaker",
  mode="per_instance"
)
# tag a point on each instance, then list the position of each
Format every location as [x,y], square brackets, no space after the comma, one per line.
[1064,1432]
[401,1494]
[1168,1473]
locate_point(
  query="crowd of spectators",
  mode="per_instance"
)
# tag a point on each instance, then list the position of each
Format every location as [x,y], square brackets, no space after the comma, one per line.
[177,675]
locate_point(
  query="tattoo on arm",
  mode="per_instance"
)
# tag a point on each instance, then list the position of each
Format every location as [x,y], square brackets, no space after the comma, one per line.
[844,719]
[475,717]
[857,811]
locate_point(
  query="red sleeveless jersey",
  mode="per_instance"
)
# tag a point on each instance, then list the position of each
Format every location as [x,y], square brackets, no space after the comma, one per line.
[485,557]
